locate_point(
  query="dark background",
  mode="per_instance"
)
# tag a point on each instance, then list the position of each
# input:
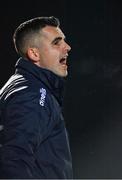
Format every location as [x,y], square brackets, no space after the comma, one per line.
[93,98]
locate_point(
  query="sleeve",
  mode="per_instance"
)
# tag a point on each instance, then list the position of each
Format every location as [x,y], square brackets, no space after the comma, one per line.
[26,124]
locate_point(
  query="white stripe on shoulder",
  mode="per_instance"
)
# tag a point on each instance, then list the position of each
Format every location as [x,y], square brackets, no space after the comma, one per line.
[15,90]
[13,81]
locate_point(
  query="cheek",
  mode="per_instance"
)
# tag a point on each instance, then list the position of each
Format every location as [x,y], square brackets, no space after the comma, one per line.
[53,54]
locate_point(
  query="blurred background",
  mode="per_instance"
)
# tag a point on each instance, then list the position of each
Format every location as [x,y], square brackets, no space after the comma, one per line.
[93,98]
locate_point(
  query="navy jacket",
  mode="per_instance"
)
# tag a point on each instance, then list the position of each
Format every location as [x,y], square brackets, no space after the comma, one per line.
[33,137]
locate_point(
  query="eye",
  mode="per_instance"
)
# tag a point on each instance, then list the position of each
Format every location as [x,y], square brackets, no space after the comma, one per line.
[57,42]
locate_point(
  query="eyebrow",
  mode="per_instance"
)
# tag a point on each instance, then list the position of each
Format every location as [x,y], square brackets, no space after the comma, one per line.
[57,39]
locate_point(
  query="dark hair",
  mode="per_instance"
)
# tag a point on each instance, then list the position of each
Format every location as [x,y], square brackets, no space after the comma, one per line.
[26,32]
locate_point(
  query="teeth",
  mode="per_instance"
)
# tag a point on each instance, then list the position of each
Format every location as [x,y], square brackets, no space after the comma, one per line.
[63,59]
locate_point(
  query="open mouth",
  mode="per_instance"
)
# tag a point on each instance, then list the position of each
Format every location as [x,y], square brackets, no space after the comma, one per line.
[63,61]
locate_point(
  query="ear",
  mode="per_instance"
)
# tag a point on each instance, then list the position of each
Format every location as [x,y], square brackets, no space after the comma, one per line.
[33,54]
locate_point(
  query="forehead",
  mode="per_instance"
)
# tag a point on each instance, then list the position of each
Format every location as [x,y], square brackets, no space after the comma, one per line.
[51,32]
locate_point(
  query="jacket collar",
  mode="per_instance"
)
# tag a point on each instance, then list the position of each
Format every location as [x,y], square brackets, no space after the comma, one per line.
[54,83]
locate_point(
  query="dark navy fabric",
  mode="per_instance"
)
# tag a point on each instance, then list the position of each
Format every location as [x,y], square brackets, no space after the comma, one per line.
[33,139]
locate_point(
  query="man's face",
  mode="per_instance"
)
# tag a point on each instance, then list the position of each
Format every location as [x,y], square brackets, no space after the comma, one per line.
[53,51]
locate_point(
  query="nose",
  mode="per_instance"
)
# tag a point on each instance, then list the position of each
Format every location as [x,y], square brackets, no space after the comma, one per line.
[68,47]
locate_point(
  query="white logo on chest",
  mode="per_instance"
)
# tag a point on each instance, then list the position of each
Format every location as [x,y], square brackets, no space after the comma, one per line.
[43,96]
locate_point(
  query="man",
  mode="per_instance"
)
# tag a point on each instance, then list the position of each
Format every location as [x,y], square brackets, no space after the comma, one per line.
[34,141]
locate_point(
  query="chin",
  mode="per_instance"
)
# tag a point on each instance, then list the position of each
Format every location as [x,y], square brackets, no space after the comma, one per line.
[61,73]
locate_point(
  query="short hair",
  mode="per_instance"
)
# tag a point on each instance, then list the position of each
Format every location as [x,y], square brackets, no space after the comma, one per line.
[26,33]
